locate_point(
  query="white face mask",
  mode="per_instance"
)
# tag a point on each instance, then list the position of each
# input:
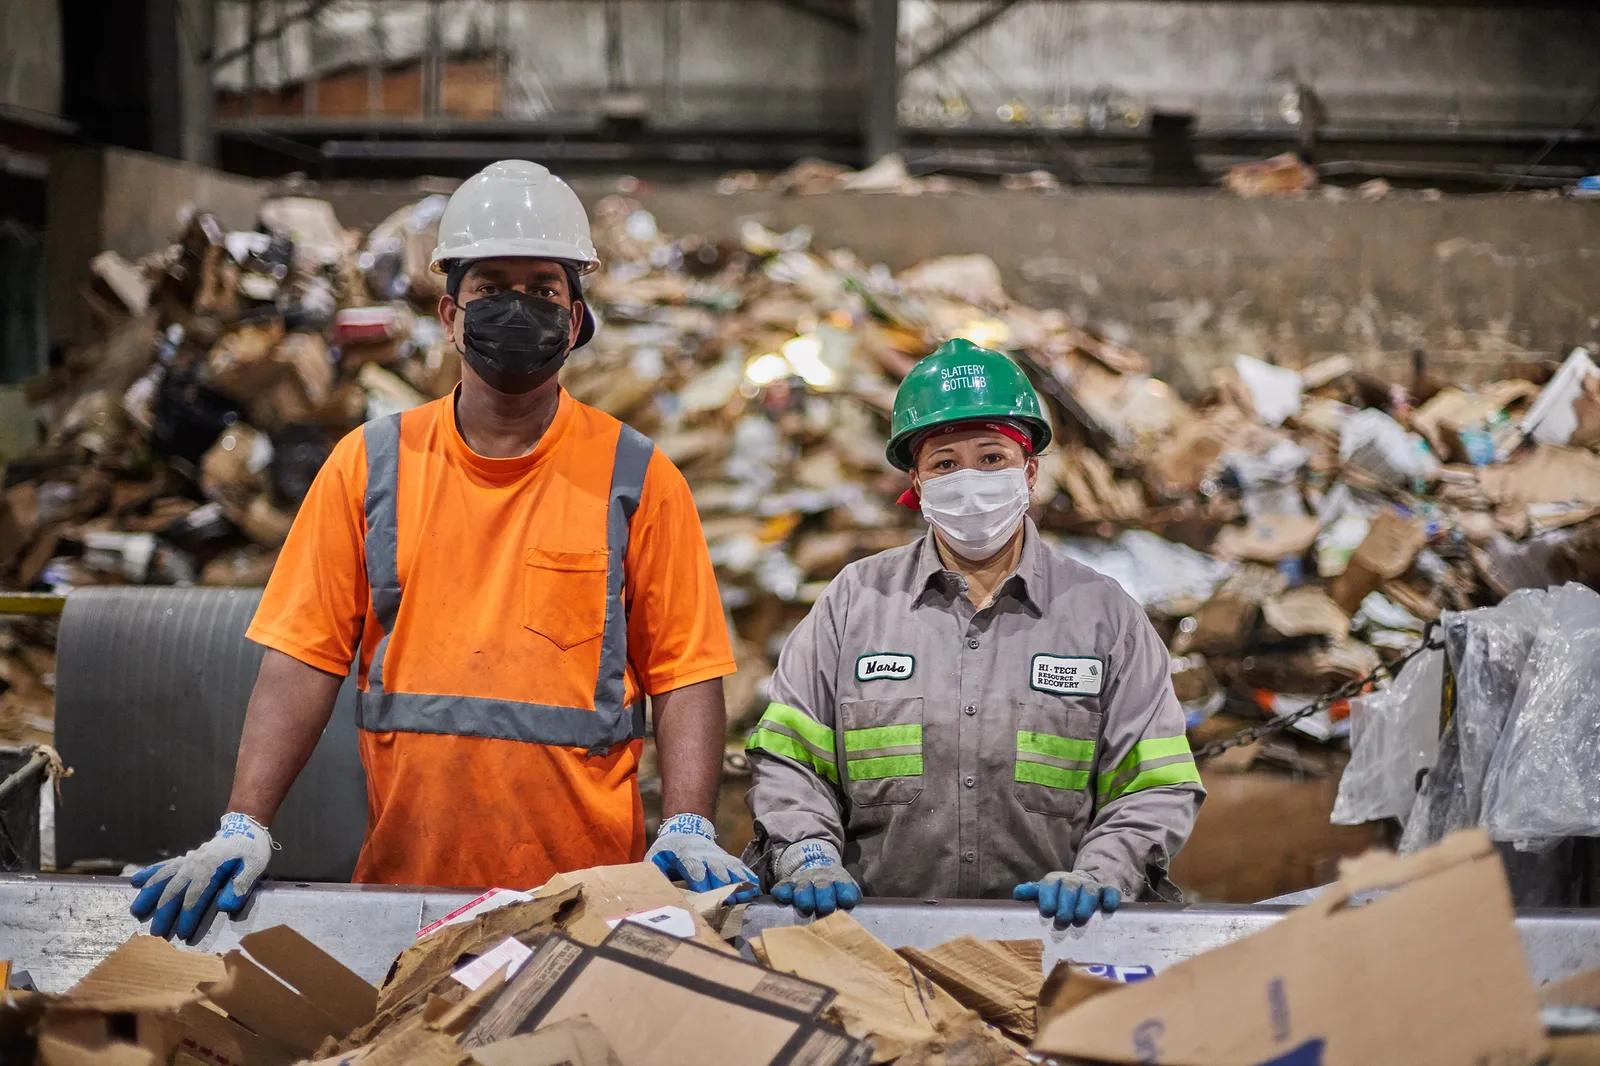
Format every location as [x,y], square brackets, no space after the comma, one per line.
[976,510]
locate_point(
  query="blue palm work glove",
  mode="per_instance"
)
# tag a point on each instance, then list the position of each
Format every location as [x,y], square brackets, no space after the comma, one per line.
[1069,897]
[686,849]
[812,878]
[175,894]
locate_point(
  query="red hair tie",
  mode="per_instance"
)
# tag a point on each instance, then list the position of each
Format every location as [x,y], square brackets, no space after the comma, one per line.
[911,498]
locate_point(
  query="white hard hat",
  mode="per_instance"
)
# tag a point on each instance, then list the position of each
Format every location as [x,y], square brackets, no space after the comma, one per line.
[515,208]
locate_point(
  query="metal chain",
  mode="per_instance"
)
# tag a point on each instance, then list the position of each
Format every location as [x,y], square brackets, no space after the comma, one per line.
[1350,688]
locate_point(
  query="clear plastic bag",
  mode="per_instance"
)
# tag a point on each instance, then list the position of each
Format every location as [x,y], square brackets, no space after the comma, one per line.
[1487,650]
[1394,736]
[1543,780]
[1441,801]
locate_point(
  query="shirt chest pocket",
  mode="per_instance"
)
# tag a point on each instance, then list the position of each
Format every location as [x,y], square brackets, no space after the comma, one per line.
[882,750]
[1056,740]
[564,595]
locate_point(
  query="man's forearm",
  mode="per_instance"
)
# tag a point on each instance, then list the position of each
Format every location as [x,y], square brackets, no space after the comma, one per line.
[289,708]
[690,723]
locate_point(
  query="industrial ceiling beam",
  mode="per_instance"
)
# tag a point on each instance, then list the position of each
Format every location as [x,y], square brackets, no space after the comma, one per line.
[834,13]
[880,59]
[961,33]
[312,9]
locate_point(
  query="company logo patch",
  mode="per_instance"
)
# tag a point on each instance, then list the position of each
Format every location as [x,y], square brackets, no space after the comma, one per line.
[1067,675]
[885,666]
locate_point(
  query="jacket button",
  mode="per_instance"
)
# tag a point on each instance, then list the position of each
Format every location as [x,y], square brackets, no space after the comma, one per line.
[970,856]
[971,708]
[972,642]
[970,782]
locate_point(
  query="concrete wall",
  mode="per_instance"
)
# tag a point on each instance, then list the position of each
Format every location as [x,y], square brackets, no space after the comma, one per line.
[1194,279]
[129,202]
[30,56]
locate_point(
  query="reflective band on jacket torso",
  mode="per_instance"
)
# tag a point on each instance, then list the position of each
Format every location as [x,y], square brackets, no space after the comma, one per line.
[609,723]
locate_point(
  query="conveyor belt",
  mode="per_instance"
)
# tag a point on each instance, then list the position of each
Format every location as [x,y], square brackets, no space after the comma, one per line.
[57,928]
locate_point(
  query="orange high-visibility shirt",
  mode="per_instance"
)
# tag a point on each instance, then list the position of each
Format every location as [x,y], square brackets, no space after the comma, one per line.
[482,587]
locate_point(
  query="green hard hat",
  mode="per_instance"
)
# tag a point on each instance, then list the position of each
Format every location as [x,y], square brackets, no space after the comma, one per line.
[962,381]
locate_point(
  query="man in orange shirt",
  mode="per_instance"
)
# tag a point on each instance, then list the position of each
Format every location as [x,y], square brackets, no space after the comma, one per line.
[517,572]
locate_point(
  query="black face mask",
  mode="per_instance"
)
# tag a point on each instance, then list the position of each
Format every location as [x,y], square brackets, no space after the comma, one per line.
[516,342]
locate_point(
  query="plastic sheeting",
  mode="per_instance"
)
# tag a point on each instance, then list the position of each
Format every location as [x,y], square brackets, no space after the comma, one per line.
[1394,737]
[1543,780]
[1152,570]
[1487,650]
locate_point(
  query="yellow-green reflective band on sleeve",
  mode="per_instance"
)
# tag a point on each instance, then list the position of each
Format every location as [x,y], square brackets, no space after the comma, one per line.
[800,723]
[1052,776]
[787,731]
[1153,762]
[883,736]
[1057,747]
[887,766]
[1178,773]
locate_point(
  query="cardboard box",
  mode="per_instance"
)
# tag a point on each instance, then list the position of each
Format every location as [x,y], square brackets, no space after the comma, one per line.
[268,1008]
[666,1001]
[1392,542]
[1429,974]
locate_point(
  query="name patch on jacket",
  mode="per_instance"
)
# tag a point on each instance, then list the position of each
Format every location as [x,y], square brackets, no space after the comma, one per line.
[1068,675]
[884,666]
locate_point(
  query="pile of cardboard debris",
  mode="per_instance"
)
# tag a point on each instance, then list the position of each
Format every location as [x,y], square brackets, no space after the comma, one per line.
[1287,530]
[614,967]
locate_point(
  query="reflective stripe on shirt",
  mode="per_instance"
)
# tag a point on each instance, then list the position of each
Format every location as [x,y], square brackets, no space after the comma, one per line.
[606,725]
[1157,761]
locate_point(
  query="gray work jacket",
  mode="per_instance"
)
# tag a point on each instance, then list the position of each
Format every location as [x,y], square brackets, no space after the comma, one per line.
[953,752]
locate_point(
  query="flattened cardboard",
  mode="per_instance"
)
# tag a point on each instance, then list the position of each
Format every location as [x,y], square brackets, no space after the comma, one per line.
[574,1042]
[419,1046]
[1000,979]
[880,995]
[1268,539]
[657,1013]
[56,1051]
[213,1039]
[145,973]
[432,958]
[611,892]
[1550,474]
[269,1008]
[337,991]
[1305,611]
[305,999]
[1429,974]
